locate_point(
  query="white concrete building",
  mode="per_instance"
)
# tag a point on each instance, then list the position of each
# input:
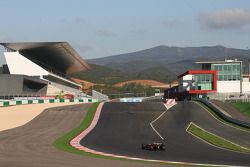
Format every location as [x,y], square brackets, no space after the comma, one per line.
[230,78]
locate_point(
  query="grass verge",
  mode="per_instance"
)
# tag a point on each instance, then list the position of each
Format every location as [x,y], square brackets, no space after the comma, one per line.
[215,140]
[218,117]
[63,142]
[242,107]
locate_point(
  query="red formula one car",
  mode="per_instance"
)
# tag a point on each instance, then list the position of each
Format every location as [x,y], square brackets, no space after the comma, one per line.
[153,146]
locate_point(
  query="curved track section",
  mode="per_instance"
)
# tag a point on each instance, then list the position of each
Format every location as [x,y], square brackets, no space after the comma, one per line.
[31,145]
[123,127]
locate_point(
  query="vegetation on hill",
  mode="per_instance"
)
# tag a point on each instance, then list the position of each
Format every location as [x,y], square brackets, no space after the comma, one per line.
[102,75]
[127,90]
[170,54]
[105,75]
[152,83]
[175,59]
[160,73]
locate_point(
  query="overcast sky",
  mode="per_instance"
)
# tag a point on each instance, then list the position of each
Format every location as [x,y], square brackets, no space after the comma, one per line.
[98,28]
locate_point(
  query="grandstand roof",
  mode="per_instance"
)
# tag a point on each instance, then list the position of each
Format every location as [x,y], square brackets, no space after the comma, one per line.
[57,57]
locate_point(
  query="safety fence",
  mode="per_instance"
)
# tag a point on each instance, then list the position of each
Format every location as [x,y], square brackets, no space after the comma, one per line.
[222,115]
[152,99]
[6,103]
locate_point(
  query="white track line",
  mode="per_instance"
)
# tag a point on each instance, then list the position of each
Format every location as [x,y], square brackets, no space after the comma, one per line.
[168,106]
[151,124]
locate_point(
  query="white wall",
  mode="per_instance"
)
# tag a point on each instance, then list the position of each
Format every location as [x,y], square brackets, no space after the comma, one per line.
[228,86]
[19,64]
[188,77]
[246,87]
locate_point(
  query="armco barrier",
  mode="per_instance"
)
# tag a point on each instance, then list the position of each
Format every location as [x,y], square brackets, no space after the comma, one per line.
[222,115]
[152,99]
[40,101]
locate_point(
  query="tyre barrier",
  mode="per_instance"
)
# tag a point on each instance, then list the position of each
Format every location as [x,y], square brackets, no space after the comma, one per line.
[222,115]
[40,101]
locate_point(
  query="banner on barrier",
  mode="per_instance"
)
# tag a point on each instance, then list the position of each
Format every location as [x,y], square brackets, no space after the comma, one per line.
[134,99]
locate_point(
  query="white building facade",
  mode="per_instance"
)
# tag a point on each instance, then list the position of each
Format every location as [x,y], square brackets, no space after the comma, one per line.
[230,80]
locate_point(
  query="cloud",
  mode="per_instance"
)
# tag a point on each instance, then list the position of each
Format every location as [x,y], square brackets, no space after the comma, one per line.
[105,33]
[226,19]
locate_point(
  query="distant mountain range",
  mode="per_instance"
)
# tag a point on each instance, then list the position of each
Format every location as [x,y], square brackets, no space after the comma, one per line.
[162,63]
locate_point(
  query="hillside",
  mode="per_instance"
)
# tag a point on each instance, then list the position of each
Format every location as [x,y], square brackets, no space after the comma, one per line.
[151,83]
[161,63]
[102,75]
[85,84]
[175,59]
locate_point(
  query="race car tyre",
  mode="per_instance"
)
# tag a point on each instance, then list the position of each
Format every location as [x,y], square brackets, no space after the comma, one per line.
[143,146]
[162,147]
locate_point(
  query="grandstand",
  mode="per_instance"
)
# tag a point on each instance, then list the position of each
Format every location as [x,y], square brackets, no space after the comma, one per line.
[40,69]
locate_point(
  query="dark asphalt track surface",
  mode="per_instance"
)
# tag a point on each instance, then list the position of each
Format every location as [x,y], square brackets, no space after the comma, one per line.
[31,145]
[123,127]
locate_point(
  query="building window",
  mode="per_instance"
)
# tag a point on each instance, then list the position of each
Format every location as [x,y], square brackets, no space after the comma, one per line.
[227,72]
[202,82]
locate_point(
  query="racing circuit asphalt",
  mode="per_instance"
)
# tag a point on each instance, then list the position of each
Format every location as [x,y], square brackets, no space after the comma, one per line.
[31,145]
[123,127]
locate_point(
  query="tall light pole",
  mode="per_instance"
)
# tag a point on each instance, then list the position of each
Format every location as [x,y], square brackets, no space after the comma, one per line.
[248,63]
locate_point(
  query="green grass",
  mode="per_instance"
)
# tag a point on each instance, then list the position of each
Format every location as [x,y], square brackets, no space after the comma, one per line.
[242,107]
[215,140]
[221,118]
[63,142]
